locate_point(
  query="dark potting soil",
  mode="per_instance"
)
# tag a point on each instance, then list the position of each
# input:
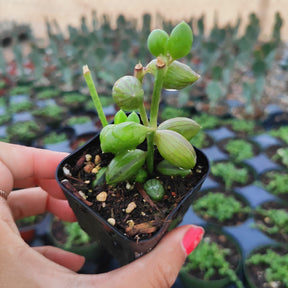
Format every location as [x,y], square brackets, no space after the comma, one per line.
[147,215]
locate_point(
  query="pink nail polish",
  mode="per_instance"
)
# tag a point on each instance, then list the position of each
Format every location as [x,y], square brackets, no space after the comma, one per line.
[192,238]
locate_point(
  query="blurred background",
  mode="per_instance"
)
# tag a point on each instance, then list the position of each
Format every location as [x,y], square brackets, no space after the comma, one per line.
[34,12]
[241,100]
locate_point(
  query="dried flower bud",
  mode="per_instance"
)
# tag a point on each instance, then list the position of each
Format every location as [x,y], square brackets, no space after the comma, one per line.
[128,93]
[184,126]
[111,221]
[175,149]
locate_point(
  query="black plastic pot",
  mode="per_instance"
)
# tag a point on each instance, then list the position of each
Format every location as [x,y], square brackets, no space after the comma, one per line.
[120,246]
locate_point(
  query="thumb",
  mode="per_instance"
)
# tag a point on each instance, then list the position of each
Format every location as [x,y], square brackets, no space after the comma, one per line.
[161,266]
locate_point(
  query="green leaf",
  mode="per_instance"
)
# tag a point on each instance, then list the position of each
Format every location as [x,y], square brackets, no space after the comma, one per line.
[175,149]
[123,136]
[154,189]
[166,168]
[180,40]
[157,42]
[128,93]
[182,125]
[120,117]
[125,165]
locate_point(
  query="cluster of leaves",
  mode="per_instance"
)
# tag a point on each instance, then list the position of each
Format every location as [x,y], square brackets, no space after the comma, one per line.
[218,205]
[215,260]
[278,183]
[281,133]
[230,173]
[239,149]
[282,154]
[276,266]
[277,220]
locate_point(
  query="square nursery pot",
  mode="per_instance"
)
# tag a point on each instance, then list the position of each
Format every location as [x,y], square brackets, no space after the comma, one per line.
[121,247]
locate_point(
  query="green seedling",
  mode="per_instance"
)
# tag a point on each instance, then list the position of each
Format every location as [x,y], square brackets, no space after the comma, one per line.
[172,137]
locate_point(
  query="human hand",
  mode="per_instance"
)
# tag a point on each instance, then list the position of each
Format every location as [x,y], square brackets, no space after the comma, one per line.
[32,172]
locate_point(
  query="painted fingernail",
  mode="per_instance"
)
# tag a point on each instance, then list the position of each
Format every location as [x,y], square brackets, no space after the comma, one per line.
[192,238]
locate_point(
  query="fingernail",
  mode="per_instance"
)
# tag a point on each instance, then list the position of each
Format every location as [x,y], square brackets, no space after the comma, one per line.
[192,238]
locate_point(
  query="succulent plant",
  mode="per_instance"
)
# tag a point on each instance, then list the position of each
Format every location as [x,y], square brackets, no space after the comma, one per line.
[172,137]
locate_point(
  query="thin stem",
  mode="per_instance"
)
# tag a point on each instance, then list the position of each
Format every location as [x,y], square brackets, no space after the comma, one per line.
[160,72]
[150,152]
[143,115]
[94,95]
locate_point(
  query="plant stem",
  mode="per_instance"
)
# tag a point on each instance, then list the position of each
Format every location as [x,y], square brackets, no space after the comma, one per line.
[94,95]
[160,72]
[143,115]
[150,152]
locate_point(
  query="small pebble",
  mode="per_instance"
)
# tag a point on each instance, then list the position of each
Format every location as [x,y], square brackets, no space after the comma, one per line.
[82,194]
[130,223]
[97,159]
[131,206]
[88,157]
[111,221]
[66,171]
[102,196]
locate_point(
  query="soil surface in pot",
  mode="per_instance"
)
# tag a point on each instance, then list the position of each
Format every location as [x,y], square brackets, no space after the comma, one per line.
[146,216]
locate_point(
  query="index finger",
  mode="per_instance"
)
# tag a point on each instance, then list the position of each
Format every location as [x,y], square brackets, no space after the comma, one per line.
[32,167]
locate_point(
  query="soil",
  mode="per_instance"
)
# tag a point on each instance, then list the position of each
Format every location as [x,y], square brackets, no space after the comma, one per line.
[256,272]
[259,219]
[147,216]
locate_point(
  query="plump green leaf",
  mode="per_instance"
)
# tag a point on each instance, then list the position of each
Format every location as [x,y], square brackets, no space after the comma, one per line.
[154,189]
[133,117]
[184,126]
[127,93]
[180,40]
[125,165]
[120,117]
[166,168]
[123,136]
[179,76]
[157,42]
[175,149]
